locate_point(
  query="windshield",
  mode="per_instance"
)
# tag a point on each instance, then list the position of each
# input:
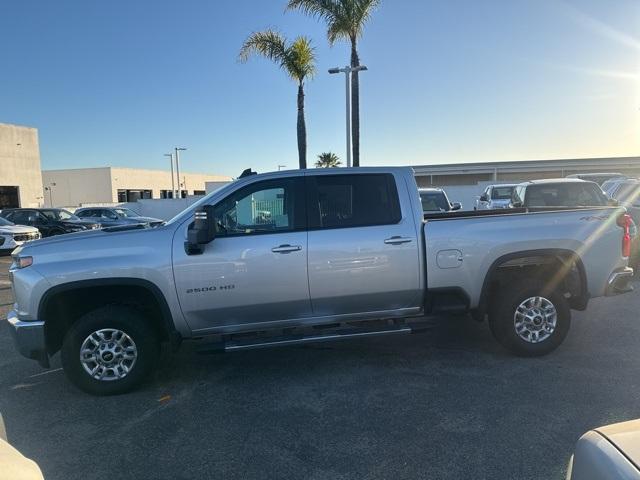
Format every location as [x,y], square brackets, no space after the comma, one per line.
[501,193]
[4,222]
[126,212]
[586,194]
[59,215]
[434,202]
[206,200]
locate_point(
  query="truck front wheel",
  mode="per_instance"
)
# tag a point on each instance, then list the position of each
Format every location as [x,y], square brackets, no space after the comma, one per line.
[529,320]
[109,350]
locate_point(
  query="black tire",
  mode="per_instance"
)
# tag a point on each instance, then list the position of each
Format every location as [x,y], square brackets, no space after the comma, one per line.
[118,317]
[502,318]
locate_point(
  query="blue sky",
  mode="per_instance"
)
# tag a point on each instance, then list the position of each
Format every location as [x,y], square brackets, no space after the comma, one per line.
[121,82]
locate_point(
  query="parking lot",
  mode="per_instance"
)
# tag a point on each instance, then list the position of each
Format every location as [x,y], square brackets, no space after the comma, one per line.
[449,403]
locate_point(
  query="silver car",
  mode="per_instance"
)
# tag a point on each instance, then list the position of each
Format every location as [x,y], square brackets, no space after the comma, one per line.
[116,216]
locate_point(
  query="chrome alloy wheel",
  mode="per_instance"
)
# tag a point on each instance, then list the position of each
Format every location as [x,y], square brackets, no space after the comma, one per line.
[535,319]
[108,354]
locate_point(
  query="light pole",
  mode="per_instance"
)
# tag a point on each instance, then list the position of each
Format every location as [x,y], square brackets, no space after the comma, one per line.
[50,190]
[281,167]
[173,185]
[347,76]
[178,150]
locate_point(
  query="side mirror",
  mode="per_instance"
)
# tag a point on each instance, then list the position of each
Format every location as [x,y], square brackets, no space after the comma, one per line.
[483,198]
[612,202]
[456,205]
[516,204]
[201,231]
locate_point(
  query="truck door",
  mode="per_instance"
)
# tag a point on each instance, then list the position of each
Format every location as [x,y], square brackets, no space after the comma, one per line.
[255,270]
[363,247]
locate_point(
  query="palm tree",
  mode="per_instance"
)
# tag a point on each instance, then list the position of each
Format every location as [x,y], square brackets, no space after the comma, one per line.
[328,160]
[345,20]
[297,59]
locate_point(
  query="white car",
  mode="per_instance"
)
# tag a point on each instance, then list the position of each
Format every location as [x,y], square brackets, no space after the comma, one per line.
[12,236]
[495,196]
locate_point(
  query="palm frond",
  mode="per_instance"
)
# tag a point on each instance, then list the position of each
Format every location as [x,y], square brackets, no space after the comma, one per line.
[268,43]
[345,19]
[300,59]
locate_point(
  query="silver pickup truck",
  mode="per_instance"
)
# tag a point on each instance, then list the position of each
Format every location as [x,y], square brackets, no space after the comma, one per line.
[307,256]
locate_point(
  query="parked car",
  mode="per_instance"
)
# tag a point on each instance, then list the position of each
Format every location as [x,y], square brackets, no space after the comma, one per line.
[436,200]
[563,192]
[49,221]
[346,253]
[116,216]
[610,186]
[599,178]
[12,236]
[607,453]
[495,196]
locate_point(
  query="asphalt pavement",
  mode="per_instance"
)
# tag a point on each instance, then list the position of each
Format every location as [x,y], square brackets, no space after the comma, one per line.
[446,404]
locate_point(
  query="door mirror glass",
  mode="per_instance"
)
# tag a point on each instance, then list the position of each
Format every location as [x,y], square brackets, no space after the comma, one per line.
[456,205]
[484,198]
[201,231]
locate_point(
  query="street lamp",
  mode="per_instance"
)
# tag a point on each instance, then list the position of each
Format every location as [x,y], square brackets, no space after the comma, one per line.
[347,76]
[173,185]
[178,150]
[50,190]
[281,167]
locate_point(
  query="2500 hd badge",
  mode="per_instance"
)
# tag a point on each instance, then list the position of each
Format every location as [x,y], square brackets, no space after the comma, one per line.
[212,288]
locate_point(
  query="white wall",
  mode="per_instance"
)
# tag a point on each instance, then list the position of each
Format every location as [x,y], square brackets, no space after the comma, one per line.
[20,163]
[74,186]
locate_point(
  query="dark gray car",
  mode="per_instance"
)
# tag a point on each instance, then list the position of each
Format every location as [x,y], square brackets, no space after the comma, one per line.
[115,216]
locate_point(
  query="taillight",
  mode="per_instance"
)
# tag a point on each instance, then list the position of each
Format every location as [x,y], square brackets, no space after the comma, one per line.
[625,222]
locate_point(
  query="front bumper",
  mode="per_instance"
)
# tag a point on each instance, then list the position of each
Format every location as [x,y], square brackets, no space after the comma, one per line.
[619,282]
[29,338]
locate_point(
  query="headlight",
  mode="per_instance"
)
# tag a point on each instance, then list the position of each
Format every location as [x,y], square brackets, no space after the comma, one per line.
[22,262]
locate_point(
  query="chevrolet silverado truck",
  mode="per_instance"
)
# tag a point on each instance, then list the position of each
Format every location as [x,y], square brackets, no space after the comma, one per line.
[307,256]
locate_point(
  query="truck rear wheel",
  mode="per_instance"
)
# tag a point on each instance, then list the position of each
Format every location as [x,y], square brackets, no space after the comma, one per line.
[109,350]
[529,320]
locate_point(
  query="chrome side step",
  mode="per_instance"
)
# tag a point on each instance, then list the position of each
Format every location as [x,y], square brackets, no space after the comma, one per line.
[310,335]
[330,337]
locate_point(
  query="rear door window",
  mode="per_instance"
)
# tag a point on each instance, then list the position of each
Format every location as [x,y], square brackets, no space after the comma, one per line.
[344,201]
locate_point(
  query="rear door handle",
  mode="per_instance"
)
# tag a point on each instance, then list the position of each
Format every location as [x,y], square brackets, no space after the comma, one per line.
[286,248]
[397,240]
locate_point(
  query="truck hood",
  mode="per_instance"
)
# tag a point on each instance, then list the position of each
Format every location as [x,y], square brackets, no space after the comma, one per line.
[15,229]
[106,233]
[149,220]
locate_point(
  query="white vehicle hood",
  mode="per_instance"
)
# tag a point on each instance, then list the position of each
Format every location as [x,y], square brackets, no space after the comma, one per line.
[16,229]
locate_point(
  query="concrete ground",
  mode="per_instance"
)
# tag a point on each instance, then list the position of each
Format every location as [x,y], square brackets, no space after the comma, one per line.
[447,404]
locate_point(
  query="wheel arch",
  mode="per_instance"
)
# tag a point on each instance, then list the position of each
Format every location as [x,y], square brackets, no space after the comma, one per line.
[62,304]
[524,258]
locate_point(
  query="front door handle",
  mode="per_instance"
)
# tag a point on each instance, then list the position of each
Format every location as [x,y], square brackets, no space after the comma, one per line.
[398,240]
[286,248]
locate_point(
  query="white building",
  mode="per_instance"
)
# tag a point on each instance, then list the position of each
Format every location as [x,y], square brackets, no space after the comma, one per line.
[20,178]
[74,187]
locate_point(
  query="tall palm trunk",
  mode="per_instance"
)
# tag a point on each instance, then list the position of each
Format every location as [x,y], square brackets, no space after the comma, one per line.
[302,129]
[355,104]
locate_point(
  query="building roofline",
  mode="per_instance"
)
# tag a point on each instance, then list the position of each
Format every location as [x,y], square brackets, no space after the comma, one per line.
[58,170]
[527,165]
